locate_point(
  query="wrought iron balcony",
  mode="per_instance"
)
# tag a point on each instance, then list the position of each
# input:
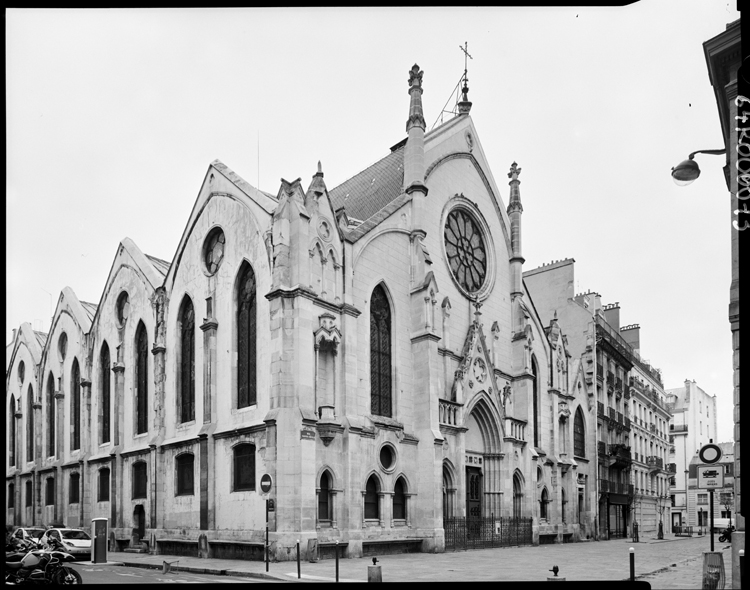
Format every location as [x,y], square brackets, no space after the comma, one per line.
[672,468]
[654,463]
[619,456]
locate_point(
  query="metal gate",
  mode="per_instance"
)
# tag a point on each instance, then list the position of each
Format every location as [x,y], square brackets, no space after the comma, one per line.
[485,532]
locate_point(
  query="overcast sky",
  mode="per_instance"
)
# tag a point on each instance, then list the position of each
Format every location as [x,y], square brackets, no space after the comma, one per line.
[113,117]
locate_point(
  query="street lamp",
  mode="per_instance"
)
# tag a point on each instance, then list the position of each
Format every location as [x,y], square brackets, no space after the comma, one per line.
[687,171]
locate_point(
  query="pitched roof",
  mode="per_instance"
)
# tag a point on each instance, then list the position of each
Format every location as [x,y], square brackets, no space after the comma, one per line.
[89,308]
[161,266]
[366,193]
[41,338]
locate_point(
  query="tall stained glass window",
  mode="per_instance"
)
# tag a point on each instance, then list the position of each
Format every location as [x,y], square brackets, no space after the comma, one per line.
[380,353]
[246,337]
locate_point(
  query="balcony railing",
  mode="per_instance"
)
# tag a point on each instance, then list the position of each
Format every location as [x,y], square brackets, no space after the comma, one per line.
[654,463]
[450,413]
[672,468]
[614,339]
[619,455]
[614,487]
[679,428]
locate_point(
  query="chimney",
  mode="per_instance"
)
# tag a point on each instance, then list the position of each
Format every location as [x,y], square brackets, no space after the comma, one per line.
[612,315]
[14,336]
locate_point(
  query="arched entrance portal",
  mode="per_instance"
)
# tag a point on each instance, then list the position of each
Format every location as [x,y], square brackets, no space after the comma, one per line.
[139,521]
[482,458]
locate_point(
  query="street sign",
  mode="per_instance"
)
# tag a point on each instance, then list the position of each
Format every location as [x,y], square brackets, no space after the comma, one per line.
[710,477]
[265,483]
[709,453]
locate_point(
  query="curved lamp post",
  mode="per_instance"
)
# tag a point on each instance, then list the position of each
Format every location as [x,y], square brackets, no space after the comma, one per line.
[687,171]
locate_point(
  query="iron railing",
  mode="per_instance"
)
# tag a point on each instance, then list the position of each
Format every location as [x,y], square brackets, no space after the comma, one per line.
[463,533]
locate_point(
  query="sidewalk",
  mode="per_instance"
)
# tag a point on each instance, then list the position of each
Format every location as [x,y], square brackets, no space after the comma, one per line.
[671,563]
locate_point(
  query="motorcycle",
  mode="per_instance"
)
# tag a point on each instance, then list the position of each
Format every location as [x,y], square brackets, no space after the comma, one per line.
[40,566]
[726,534]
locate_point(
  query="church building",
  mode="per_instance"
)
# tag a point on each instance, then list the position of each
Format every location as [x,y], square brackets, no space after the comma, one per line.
[369,353]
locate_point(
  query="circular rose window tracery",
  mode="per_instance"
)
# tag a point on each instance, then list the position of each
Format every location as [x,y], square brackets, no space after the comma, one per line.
[466,251]
[213,250]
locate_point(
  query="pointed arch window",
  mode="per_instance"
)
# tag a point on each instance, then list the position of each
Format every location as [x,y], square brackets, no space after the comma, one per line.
[141,371]
[579,435]
[104,436]
[75,406]
[246,338]
[535,400]
[380,353]
[399,500]
[30,424]
[371,499]
[187,361]
[543,505]
[517,496]
[324,498]
[12,432]
[51,416]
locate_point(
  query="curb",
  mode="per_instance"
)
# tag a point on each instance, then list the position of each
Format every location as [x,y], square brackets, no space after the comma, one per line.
[201,570]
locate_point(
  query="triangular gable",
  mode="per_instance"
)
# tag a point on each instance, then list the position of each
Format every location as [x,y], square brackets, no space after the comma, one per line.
[69,303]
[476,372]
[25,336]
[220,179]
[128,253]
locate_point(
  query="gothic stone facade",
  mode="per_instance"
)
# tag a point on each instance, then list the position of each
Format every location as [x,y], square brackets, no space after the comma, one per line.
[371,348]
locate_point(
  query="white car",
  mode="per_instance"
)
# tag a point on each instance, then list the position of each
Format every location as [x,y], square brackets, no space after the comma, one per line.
[75,541]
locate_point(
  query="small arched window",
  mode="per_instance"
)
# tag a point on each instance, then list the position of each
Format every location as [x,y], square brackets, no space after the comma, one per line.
[579,435]
[12,431]
[543,504]
[517,496]
[187,361]
[141,371]
[535,401]
[324,499]
[185,465]
[380,353]
[74,488]
[244,468]
[104,407]
[75,406]
[140,480]
[371,499]
[30,424]
[399,500]
[246,338]
[49,491]
[51,416]
[103,485]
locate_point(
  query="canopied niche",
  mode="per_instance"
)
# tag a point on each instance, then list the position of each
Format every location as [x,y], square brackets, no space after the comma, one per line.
[327,339]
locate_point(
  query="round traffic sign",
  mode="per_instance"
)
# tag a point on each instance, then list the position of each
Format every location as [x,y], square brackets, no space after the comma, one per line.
[265,483]
[709,453]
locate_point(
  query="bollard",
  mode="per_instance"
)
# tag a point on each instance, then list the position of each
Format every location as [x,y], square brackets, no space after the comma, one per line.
[742,564]
[337,561]
[298,568]
[374,574]
[555,578]
[632,564]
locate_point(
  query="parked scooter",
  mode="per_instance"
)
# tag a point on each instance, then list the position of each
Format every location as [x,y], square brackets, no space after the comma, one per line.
[40,566]
[726,534]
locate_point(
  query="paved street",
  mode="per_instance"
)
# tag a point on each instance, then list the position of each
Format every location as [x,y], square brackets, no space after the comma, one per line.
[668,564]
[116,574]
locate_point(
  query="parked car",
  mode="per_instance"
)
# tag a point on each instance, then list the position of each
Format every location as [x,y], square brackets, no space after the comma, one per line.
[30,533]
[75,541]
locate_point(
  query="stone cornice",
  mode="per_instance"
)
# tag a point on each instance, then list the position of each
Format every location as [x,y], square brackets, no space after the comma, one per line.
[240,431]
[135,452]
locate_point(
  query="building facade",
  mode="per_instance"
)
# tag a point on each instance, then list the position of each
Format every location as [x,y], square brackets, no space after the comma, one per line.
[649,440]
[606,360]
[699,500]
[723,60]
[372,349]
[693,424]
